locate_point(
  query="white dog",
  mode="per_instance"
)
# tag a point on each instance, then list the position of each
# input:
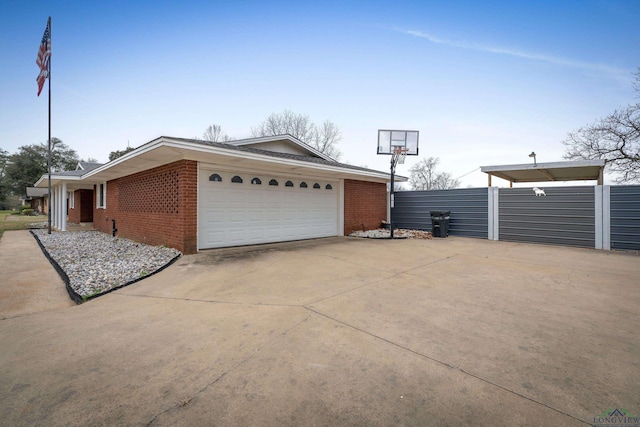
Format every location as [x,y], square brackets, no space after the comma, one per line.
[539,192]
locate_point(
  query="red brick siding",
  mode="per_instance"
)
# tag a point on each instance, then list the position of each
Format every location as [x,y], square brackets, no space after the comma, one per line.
[74,213]
[365,205]
[157,206]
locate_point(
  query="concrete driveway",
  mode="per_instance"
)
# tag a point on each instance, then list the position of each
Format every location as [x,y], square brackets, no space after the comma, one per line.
[340,331]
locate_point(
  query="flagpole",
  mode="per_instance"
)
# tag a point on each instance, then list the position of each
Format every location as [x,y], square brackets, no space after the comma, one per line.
[49,145]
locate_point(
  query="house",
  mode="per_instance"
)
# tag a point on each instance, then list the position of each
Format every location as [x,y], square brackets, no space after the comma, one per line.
[37,199]
[192,195]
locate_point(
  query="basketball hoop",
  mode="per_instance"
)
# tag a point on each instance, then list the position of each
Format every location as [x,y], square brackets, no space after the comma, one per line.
[398,144]
[399,155]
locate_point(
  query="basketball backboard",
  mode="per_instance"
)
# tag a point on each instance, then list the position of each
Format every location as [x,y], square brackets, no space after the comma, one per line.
[389,141]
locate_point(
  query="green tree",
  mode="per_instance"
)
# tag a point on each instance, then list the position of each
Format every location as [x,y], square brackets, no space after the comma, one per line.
[63,158]
[26,166]
[4,159]
[119,153]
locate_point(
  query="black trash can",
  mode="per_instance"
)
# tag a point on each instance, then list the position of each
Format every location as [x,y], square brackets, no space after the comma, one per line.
[440,223]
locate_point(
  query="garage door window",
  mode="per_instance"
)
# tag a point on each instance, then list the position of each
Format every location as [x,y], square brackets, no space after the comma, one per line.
[215,178]
[329,187]
[256,181]
[273,182]
[316,185]
[236,179]
[303,184]
[288,184]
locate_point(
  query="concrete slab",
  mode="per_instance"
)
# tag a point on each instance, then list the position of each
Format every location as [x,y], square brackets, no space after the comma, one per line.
[340,331]
[28,282]
[122,360]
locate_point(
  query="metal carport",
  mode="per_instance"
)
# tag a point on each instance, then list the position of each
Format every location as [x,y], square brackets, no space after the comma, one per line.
[579,170]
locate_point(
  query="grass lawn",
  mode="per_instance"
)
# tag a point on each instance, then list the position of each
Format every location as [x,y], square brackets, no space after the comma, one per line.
[18,222]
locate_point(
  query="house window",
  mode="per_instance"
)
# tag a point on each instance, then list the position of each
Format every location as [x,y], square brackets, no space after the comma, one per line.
[70,197]
[256,181]
[273,182]
[288,184]
[303,184]
[316,185]
[101,196]
[328,187]
[236,179]
[215,178]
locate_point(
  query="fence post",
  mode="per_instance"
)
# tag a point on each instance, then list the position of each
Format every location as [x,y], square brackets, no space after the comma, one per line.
[493,214]
[597,190]
[603,217]
[606,217]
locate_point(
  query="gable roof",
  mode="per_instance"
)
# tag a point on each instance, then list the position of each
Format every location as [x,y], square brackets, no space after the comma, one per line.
[284,137]
[164,150]
[87,166]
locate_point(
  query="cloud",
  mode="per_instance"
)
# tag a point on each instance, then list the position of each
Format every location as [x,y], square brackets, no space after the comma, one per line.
[614,72]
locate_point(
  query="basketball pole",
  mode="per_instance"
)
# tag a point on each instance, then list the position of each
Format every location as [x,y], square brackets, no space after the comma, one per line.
[399,143]
[394,160]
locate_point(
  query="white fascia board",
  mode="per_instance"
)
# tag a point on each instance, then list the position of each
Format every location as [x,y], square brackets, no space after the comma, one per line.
[552,165]
[199,147]
[42,178]
[54,177]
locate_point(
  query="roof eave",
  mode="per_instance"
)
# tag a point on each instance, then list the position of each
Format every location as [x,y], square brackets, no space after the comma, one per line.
[42,182]
[193,146]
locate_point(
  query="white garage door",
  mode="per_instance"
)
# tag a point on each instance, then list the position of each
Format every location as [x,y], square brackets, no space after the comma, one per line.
[246,208]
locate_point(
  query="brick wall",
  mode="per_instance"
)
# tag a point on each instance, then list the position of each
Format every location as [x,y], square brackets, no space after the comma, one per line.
[365,205]
[74,213]
[157,206]
[82,210]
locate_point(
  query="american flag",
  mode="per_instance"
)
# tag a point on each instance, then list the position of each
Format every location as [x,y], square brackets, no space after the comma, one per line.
[44,53]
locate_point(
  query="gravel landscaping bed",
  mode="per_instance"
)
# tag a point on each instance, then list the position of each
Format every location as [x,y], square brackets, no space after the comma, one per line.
[383,233]
[96,262]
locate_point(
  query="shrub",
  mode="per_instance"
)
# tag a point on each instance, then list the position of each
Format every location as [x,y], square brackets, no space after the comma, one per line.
[28,211]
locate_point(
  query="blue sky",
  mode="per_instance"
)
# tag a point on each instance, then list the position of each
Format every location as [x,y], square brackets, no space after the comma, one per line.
[485,83]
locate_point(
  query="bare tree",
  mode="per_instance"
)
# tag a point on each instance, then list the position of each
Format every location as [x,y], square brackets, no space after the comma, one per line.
[214,133]
[424,176]
[324,138]
[614,138]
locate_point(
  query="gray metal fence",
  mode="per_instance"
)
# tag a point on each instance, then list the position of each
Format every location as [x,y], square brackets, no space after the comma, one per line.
[602,217]
[625,217]
[565,216]
[468,206]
